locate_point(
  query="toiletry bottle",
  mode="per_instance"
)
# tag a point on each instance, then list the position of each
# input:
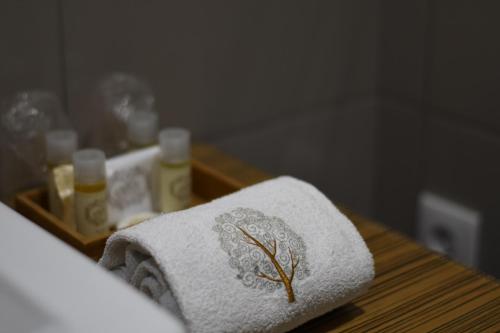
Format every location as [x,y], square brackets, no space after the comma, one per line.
[91,211]
[173,171]
[142,129]
[60,146]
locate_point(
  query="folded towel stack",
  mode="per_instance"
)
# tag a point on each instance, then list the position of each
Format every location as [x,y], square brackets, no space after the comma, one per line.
[265,259]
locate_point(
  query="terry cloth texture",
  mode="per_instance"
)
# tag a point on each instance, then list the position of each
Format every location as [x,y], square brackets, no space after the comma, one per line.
[265,259]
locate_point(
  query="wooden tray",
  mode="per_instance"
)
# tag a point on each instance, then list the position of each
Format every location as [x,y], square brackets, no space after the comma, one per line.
[208,184]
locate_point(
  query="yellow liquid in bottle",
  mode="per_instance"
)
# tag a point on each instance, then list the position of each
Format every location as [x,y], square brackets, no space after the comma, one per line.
[173,182]
[91,208]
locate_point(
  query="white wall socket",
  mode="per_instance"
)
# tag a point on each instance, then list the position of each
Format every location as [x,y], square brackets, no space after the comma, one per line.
[449,228]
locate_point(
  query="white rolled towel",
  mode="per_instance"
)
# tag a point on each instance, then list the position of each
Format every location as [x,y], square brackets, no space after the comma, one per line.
[265,259]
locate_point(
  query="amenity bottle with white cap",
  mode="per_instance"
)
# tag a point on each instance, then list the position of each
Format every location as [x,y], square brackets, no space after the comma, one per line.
[173,173]
[91,211]
[60,146]
[142,129]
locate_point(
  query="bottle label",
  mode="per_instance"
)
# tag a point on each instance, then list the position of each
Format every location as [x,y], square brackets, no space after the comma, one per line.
[174,186]
[91,212]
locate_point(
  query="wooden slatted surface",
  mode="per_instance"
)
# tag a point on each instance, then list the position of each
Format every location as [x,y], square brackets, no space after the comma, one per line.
[414,290]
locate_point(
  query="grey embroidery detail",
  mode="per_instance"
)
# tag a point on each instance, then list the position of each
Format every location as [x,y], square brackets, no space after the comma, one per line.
[264,251]
[127,187]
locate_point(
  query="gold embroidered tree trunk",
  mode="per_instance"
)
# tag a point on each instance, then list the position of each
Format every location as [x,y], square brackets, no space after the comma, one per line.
[284,278]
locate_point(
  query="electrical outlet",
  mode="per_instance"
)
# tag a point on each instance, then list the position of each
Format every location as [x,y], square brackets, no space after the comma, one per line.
[449,228]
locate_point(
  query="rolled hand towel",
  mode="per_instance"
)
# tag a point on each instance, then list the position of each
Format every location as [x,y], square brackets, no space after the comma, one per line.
[265,259]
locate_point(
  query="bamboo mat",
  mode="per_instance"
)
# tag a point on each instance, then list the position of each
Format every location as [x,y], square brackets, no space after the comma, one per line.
[415,290]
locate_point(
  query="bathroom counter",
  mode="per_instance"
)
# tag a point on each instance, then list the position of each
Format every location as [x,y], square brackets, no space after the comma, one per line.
[415,290]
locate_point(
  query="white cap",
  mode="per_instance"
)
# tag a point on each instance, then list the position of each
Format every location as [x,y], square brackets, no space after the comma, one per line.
[142,127]
[60,146]
[89,165]
[174,144]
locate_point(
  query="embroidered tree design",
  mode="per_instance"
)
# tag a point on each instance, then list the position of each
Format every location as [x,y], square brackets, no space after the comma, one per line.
[266,253]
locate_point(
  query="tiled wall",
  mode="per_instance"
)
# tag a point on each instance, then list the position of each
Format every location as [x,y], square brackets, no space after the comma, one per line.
[370,100]
[30,58]
[439,120]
